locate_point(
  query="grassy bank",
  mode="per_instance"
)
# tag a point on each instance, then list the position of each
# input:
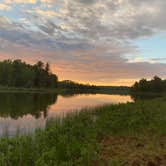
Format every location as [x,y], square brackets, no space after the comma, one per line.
[116,135]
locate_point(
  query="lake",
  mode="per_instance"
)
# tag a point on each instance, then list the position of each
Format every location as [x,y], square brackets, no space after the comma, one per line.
[23,113]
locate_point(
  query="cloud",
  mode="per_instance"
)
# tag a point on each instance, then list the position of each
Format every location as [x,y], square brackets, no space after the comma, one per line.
[4,7]
[79,36]
[21,1]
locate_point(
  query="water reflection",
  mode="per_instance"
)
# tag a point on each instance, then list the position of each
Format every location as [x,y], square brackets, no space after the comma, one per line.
[17,105]
[65,105]
[23,113]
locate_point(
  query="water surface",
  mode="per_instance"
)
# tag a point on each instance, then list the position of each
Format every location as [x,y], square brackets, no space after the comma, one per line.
[23,113]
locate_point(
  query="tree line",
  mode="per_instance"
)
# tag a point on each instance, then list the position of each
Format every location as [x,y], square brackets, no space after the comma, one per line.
[16,105]
[19,74]
[68,84]
[154,85]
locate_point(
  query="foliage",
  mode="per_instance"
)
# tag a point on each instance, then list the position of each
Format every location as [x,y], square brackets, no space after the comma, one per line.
[75,140]
[72,88]
[67,84]
[19,74]
[154,85]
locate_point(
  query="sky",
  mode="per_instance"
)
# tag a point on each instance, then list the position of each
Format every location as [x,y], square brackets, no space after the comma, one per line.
[102,42]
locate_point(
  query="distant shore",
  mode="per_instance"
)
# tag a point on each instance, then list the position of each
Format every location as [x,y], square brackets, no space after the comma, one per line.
[100,90]
[30,90]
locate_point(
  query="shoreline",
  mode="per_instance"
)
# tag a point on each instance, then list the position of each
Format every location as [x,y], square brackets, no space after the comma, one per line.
[61,91]
[29,90]
[110,134]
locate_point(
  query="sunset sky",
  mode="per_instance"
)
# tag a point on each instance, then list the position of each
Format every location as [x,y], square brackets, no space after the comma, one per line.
[106,42]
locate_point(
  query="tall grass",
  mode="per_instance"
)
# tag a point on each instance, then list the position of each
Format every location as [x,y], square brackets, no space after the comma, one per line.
[75,140]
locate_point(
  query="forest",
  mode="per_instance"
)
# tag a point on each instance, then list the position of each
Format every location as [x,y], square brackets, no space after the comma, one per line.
[68,84]
[154,85]
[19,74]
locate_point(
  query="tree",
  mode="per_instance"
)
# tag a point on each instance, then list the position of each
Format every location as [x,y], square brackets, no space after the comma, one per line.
[47,68]
[143,85]
[154,85]
[40,65]
[19,74]
[157,84]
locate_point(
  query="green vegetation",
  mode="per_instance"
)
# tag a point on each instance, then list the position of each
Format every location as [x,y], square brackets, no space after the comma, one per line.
[116,135]
[71,87]
[19,74]
[132,134]
[156,85]
[67,84]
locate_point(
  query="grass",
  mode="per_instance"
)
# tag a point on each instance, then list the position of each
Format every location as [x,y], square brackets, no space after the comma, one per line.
[132,134]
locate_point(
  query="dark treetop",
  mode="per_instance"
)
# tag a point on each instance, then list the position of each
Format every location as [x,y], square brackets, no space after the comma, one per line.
[19,74]
[154,85]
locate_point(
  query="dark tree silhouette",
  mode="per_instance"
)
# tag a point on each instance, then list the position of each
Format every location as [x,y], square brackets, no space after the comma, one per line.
[19,74]
[74,85]
[154,85]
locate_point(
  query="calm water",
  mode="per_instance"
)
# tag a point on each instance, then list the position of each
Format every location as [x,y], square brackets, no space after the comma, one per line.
[23,113]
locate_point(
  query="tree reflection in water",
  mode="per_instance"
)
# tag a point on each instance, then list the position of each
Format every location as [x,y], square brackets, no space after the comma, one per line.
[15,105]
